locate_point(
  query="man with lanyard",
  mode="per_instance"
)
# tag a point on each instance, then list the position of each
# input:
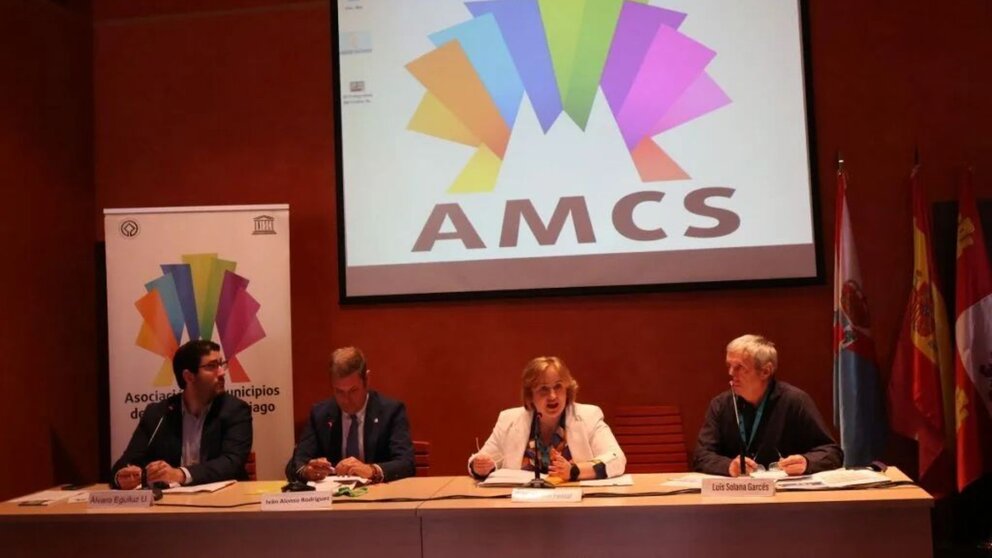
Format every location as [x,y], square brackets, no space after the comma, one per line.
[773,424]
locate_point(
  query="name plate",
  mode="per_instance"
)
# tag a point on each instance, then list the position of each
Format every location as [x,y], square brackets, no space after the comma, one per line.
[121,499]
[553,495]
[741,486]
[294,501]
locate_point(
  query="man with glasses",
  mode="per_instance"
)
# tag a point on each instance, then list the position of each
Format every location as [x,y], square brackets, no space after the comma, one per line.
[774,424]
[198,436]
[358,432]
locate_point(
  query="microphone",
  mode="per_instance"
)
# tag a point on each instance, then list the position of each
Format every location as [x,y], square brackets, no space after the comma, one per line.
[740,429]
[535,430]
[157,486]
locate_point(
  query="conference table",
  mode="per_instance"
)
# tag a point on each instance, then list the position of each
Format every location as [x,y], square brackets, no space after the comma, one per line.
[451,516]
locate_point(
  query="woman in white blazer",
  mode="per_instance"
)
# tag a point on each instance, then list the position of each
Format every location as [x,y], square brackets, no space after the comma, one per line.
[574,442]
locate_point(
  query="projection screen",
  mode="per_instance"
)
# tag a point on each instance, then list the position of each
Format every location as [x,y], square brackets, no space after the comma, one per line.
[500,145]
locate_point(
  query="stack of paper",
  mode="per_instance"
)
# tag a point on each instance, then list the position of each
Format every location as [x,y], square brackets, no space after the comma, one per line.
[49,497]
[193,489]
[622,480]
[509,478]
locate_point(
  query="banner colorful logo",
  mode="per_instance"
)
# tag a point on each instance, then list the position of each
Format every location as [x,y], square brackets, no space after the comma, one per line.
[195,295]
[560,54]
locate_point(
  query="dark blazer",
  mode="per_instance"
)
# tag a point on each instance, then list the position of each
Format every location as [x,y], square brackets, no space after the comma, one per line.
[386,437]
[224,443]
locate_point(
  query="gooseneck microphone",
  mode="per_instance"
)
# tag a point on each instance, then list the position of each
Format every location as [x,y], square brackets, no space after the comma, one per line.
[156,487]
[740,429]
[535,430]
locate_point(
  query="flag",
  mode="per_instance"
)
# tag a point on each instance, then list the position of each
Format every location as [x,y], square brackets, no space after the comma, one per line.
[920,388]
[858,408]
[973,329]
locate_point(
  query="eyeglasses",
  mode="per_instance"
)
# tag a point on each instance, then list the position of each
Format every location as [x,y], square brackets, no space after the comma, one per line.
[215,365]
[545,390]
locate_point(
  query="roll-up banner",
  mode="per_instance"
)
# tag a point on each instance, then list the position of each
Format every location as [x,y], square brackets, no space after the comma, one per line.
[219,273]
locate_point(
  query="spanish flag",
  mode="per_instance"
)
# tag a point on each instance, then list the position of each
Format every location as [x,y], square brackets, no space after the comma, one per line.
[920,388]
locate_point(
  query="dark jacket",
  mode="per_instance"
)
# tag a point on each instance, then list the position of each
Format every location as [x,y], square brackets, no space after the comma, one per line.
[224,443]
[790,425]
[386,437]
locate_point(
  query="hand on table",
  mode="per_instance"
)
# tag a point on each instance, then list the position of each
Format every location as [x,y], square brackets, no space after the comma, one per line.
[483,465]
[129,477]
[317,469]
[559,467]
[160,471]
[793,465]
[354,467]
[735,466]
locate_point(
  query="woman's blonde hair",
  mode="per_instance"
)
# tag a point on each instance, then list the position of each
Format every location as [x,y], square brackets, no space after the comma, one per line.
[532,375]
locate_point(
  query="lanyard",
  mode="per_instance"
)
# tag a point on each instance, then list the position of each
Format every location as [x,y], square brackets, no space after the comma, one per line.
[757,421]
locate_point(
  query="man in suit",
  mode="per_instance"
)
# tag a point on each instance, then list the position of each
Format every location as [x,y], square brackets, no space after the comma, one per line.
[198,436]
[357,432]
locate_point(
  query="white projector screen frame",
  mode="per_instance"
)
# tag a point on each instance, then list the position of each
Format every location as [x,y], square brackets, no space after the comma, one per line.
[505,147]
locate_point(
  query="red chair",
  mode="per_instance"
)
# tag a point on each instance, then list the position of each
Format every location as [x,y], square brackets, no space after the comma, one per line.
[652,438]
[250,467]
[422,457]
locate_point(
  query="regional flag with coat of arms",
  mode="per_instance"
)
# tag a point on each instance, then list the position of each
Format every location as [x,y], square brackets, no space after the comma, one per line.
[973,329]
[858,408]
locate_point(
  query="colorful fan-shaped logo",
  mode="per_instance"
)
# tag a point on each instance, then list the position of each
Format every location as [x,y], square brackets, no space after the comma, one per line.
[195,295]
[560,54]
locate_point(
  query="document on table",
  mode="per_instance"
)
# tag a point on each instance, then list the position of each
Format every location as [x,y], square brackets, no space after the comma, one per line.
[691,480]
[835,478]
[840,478]
[622,480]
[326,485]
[509,478]
[195,488]
[49,497]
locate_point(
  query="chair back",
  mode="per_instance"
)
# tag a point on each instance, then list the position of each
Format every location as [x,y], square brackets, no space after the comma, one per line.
[422,457]
[652,438]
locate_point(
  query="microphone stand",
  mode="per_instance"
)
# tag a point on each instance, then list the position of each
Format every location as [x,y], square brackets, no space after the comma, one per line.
[537,481]
[155,487]
[740,430]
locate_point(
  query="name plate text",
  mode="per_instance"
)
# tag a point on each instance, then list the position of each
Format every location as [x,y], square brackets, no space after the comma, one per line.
[555,495]
[741,486]
[293,501]
[121,499]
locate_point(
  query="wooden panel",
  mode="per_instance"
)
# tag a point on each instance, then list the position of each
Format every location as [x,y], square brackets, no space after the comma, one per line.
[647,430]
[626,440]
[647,410]
[638,468]
[679,458]
[646,421]
[654,448]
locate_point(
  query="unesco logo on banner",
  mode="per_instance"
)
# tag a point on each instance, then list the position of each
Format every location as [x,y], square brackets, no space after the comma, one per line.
[264,224]
[129,228]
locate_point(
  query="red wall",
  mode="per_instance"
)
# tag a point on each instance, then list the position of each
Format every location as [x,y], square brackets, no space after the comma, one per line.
[229,102]
[48,375]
